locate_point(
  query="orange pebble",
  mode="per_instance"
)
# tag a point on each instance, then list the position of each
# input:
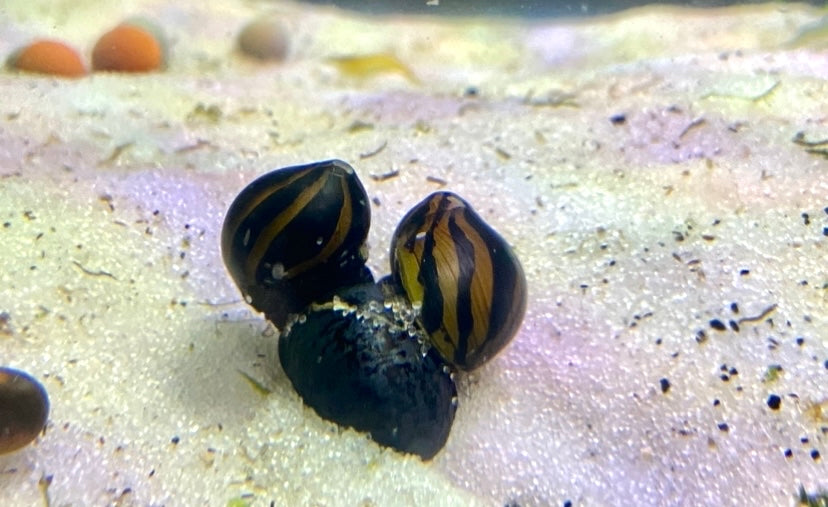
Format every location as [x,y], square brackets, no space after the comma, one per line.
[48,57]
[127,48]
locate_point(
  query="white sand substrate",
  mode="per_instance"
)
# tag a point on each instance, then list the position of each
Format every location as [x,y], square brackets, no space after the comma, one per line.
[694,204]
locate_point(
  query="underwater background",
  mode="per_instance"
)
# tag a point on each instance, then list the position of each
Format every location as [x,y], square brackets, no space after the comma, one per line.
[660,173]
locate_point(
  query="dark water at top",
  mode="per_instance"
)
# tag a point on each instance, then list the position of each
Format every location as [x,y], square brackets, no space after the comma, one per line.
[518,8]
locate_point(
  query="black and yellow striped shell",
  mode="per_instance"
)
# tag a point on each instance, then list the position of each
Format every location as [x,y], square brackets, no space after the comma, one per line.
[464,277]
[295,235]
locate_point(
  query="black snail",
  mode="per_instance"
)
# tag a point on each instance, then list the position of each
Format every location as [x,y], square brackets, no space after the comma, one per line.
[358,360]
[469,286]
[374,356]
[24,408]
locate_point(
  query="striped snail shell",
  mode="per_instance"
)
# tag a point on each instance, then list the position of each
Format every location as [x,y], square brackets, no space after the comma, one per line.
[468,283]
[295,235]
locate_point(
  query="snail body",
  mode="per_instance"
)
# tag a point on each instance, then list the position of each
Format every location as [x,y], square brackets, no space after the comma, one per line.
[295,235]
[464,277]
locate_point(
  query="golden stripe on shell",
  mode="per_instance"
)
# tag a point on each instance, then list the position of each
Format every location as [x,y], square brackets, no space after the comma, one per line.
[469,285]
[296,234]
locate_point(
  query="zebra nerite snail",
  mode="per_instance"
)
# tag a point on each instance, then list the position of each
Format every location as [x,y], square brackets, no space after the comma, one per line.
[295,235]
[463,276]
[374,356]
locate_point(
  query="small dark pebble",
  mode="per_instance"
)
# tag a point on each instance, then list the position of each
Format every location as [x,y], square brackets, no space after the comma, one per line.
[724,378]
[175,440]
[471,91]
[665,385]
[744,272]
[567,503]
[717,325]
[806,219]
[804,440]
[716,402]
[734,307]
[774,402]
[24,409]
[800,341]
[814,454]
[734,325]
[724,427]
[788,453]
[618,119]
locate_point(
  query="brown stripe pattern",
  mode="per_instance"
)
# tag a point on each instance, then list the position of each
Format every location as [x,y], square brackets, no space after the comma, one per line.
[469,285]
[296,234]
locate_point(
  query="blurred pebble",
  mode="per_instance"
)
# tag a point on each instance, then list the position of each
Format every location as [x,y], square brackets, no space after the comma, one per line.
[264,38]
[133,46]
[24,408]
[48,57]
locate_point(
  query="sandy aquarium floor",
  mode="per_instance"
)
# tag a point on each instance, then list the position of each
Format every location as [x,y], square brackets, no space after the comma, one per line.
[661,173]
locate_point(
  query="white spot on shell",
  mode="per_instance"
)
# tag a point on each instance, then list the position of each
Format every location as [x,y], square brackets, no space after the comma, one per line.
[246,237]
[319,240]
[277,271]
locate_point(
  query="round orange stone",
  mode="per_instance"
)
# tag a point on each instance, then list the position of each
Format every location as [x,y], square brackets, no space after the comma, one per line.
[49,57]
[127,48]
